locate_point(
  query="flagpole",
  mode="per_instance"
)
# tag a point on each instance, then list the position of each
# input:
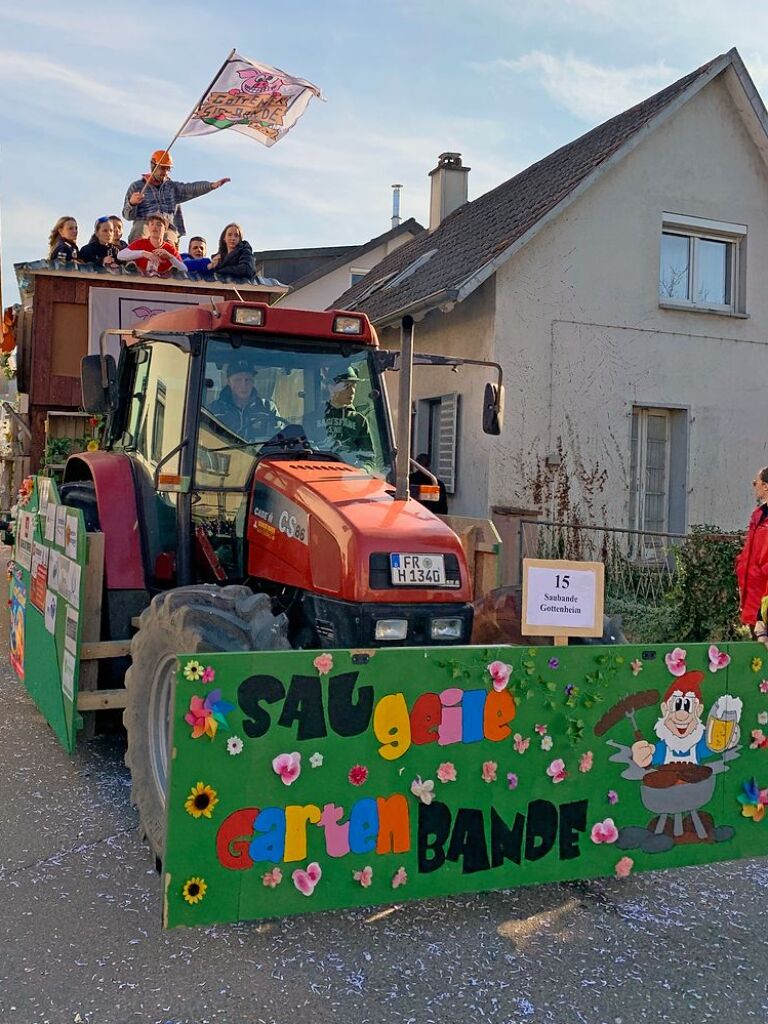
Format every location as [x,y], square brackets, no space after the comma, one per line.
[187,119]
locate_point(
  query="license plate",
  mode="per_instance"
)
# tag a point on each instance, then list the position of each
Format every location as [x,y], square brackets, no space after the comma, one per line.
[417,570]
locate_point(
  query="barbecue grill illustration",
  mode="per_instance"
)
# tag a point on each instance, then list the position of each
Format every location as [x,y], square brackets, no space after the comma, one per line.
[675,791]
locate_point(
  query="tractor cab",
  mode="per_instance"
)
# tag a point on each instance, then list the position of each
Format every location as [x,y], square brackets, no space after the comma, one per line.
[197,410]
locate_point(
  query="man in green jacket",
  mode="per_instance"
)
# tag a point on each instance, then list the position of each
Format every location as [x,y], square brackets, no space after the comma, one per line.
[347,428]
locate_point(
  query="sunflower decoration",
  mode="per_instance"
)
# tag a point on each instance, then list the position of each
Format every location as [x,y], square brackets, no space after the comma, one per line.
[194,890]
[193,671]
[201,801]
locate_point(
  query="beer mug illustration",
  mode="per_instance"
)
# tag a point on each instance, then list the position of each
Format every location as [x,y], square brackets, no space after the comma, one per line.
[723,724]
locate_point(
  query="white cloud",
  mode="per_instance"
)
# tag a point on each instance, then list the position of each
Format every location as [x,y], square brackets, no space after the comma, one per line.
[59,90]
[592,92]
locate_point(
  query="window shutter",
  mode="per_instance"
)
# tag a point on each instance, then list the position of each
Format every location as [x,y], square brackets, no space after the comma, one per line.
[449,429]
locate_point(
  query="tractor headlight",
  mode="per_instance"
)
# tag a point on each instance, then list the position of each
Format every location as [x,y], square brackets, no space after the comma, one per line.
[391,629]
[347,325]
[446,629]
[248,317]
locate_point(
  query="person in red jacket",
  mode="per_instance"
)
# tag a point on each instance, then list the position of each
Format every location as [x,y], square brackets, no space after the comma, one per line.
[153,255]
[752,561]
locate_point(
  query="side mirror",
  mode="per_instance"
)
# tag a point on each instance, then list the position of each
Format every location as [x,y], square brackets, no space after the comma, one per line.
[99,397]
[493,409]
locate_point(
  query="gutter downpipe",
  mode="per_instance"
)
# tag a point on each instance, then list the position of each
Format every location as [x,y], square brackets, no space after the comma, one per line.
[403,458]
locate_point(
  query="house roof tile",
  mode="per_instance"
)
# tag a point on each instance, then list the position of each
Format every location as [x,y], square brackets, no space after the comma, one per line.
[356,251]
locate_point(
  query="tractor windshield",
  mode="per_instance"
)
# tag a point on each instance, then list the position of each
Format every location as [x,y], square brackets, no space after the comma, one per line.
[254,394]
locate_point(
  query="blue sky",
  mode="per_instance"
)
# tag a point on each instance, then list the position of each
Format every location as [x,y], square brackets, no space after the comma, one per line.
[88,90]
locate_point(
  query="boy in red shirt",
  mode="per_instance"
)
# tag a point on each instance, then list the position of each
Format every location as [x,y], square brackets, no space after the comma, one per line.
[153,255]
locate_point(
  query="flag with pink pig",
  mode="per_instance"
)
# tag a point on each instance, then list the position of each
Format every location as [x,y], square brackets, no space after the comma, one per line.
[255,99]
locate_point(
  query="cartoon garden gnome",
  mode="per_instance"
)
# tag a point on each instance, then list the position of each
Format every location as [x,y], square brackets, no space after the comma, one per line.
[677,773]
[682,736]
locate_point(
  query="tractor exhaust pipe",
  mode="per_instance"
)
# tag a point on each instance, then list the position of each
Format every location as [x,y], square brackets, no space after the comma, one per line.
[403,460]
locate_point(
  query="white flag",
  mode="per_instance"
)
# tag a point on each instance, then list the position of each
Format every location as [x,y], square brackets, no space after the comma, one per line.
[255,99]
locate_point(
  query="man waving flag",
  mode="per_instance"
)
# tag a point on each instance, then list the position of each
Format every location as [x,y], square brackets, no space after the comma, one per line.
[255,99]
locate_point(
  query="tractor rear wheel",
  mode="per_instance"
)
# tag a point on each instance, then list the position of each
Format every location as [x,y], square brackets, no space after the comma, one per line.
[188,620]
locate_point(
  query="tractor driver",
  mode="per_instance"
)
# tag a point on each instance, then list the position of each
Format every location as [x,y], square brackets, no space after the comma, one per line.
[239,407]
[347,428]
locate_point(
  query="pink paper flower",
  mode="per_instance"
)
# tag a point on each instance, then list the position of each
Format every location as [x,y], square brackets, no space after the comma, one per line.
[758,740]
[546,742]
[272,878]
[613,796]
[358,774]
[540,729]
[585,762]
[364,876]
[399,878]
[208,675]
[556,770]
[624,867]
[511,780]
[521,745]
[489,771]
[305,881]
[500,673]
[636,666]
[446,771]
[675,661]
[717,659]
[323,663]
[605,832]
[288,767]
[423,789]
[763,686]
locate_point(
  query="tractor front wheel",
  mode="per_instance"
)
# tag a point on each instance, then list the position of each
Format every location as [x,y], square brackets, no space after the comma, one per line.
[188,620]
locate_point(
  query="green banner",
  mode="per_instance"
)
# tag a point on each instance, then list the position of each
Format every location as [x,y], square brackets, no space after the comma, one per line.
[306,781]
[47,584]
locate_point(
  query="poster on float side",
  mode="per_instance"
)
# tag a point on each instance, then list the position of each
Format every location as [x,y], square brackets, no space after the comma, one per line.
[306,781]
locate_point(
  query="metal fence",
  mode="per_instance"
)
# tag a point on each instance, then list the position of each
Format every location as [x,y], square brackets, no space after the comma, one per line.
[638,564]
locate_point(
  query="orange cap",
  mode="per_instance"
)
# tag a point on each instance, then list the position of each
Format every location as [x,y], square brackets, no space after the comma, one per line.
[162,157]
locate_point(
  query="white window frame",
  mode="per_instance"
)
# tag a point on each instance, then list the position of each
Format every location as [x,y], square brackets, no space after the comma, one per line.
[697,229]
[637,513]
[358,271]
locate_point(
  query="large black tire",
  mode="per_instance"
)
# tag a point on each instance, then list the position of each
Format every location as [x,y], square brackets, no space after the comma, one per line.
[188,620]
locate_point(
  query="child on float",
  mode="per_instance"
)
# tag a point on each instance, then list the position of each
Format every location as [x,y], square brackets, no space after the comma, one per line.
[101,250]
[153,255]
[117,224]
[62,242]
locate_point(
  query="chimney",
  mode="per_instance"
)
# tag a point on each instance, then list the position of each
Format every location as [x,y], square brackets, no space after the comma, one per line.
[449,188]
[396,218]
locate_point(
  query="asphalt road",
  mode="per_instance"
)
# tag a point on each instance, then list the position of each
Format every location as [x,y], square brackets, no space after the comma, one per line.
[81,942]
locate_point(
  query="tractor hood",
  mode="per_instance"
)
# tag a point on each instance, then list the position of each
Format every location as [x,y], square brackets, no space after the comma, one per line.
[330,528]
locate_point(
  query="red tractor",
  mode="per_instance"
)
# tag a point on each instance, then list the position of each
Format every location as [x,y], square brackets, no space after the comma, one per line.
[252,499]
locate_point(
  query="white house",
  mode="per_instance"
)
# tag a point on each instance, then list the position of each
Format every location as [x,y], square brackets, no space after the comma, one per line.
[318,289]
[620,284]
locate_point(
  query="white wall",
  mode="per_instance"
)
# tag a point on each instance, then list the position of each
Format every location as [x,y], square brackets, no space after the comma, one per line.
[319,294]
[582,338]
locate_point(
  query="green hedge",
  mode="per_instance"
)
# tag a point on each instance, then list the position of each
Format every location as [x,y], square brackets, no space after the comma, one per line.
[703,602]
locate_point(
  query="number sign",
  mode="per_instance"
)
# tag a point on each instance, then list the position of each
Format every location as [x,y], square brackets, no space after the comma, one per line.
[562,598]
